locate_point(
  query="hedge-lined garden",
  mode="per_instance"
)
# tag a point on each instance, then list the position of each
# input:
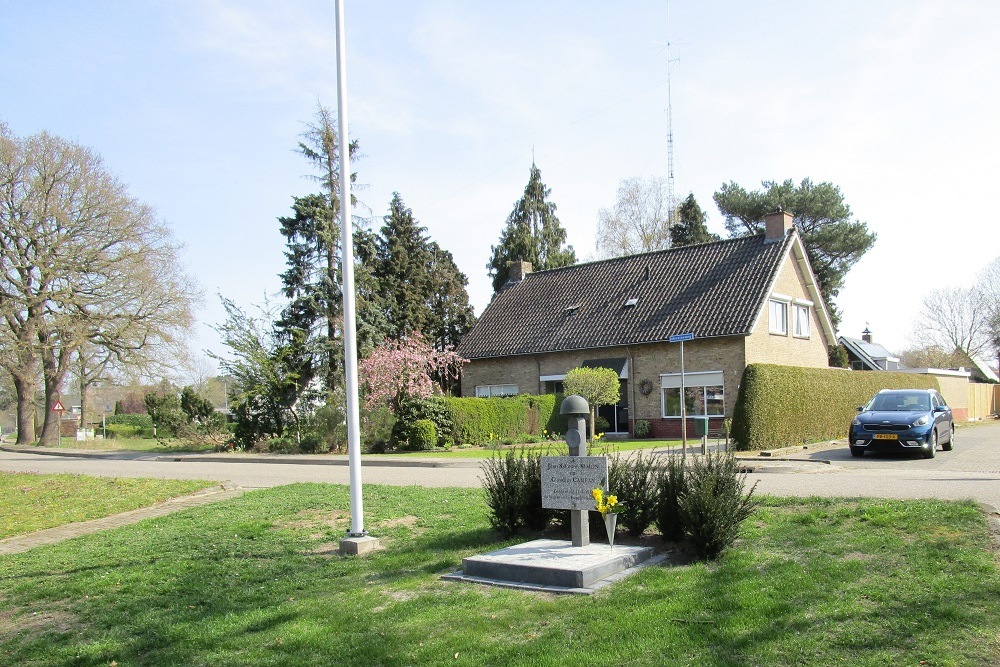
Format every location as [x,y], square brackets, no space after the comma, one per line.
[787,405]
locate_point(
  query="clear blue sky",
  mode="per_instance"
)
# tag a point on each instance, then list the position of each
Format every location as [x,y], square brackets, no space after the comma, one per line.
[198,104]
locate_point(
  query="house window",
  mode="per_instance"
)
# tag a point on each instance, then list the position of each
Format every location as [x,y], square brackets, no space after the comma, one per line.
[778,317]
[704,394]
[494,390]
[801,320]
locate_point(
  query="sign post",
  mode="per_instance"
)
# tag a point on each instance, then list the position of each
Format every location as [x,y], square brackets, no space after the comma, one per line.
[680,338]
[58,408]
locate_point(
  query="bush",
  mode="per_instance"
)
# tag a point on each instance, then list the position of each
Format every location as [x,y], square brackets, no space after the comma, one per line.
[423,435]
[434,409]
[671,484]
[786,405]
[122,431]
[633,480]
[512,483]
[476,419]
[601,425]
[376,429]
[713,506]
[642,428]
[137,421]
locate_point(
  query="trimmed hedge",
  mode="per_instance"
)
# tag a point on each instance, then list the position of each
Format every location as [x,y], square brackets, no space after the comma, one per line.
[138,421]
[779,406]
[474,420]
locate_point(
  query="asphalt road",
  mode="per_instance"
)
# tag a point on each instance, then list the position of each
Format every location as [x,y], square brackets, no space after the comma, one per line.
[971,470]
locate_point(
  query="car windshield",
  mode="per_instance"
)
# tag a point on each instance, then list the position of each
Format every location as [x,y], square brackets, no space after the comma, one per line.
[900,402]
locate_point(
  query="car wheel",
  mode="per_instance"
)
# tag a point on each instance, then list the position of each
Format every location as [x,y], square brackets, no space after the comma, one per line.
[946,447]
[929,452]
[857,451]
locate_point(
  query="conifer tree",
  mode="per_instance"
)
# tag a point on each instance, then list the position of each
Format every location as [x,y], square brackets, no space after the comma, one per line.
[690,227]
[533,234]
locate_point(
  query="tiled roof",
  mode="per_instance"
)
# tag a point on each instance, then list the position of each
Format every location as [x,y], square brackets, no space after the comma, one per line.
[710,289]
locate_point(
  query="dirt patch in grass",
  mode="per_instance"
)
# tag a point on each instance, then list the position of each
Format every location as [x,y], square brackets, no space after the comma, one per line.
[408,521]
[312,520]
[36,623]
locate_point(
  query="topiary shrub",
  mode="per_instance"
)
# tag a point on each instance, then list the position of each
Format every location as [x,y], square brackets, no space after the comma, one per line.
[422,436]
[671,484]
[512,484]
[138,421]
[641,428]
[713,506]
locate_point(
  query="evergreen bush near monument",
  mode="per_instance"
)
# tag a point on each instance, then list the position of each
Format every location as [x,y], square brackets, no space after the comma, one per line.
[671,484]
[475,420]
[713,506]
[641,428]
[512,484]
[634,480]
[788,405]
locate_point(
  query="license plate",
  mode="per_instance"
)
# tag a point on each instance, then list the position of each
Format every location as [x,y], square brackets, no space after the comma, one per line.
[886,436]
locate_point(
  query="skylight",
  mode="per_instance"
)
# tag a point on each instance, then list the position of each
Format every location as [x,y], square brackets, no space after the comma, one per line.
[571,309]
[631,303]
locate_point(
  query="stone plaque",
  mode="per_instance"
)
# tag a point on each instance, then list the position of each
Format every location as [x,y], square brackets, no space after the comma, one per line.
[568,481]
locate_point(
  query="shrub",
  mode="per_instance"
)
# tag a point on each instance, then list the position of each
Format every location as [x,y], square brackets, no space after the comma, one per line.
[601,425]
[641,428]
[784,405]
[434,409]
[671,484]
[713,506]
[633,480]
[122,430]
[476,419]
[423,435]
[376,429]
[137,421]
[512,483]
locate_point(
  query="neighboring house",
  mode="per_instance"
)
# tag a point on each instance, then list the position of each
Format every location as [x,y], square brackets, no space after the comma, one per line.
[867,355]
[746,300]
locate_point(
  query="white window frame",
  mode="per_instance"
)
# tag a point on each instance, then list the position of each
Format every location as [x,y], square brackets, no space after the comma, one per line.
[496,390]
[802,325]
[695,380]
[775,306]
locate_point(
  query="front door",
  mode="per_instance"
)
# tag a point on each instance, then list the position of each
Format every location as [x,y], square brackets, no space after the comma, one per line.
[617,414]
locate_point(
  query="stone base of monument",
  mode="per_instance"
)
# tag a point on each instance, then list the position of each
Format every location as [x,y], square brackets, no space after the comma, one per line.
[555,565]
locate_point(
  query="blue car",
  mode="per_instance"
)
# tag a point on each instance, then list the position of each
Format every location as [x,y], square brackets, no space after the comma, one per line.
[916,420]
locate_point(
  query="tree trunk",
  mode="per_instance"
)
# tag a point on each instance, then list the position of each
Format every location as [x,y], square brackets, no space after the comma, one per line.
[53,374]
[83,399]
[25,388]
[593,423]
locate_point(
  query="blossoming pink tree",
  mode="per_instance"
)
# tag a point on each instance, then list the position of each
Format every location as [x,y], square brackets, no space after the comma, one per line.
[401,369]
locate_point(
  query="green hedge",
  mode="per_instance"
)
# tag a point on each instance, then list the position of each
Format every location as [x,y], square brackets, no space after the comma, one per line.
[787,405]
[476,419]
[139,421]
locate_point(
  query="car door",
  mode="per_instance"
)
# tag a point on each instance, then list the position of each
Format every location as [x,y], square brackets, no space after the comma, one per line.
[943,419]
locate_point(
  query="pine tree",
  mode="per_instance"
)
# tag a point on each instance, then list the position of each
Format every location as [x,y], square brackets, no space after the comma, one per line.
[533,234]
[403,270]
[690,228]
[422,289]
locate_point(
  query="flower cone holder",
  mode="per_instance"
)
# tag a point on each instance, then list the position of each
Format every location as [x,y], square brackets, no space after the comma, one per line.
[610,522]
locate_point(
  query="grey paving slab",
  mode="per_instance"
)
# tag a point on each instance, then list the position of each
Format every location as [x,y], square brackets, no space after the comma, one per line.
[554,565]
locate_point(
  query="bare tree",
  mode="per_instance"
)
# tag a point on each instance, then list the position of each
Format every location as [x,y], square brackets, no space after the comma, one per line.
[639,222]
[954,320]
[81,263]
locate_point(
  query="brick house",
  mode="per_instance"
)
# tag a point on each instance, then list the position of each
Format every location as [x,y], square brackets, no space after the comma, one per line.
[746,300]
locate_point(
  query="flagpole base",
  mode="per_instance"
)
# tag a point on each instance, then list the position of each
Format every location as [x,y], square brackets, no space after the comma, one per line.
[358,545]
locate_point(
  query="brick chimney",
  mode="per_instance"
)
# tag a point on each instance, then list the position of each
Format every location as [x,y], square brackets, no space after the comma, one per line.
[516,271]
[777,225]
[866,335]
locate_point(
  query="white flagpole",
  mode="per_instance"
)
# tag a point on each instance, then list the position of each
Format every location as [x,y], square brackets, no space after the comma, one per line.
[347,267]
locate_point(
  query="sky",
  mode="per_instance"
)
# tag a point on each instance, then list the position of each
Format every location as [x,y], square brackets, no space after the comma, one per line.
[198,106]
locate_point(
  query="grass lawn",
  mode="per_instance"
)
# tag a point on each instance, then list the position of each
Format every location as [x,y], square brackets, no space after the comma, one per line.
[33,502]
[253,581]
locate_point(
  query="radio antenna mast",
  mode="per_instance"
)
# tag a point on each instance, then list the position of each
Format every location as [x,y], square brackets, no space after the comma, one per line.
[671,194]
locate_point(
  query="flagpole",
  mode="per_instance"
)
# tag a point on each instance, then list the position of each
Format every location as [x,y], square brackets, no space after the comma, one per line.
[357,541]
